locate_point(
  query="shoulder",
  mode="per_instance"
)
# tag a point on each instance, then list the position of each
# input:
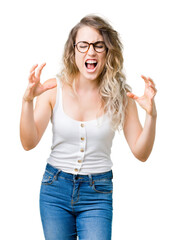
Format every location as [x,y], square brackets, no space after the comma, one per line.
[131,110]
[131,122]
[131,104]
[52,92]
[51,80]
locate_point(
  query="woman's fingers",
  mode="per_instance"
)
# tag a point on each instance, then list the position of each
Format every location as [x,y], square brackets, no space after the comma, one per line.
[32,73]
[131,95]
[31,76]
[153,91]
[39,70]
[148,81]
[33,67]
[151,81]
[35,88]
[150,85]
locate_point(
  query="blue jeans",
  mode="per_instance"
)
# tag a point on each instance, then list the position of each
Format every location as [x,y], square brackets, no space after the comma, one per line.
[76,205]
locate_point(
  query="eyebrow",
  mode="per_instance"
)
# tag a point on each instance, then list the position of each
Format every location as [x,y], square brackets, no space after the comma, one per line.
[91,42]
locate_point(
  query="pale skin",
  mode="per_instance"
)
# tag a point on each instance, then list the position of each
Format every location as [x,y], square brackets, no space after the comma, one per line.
[34,121]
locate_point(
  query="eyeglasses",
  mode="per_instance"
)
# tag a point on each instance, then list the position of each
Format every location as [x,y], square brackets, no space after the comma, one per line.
[83,47]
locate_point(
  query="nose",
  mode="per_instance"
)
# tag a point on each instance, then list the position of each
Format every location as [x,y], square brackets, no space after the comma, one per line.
[91,50]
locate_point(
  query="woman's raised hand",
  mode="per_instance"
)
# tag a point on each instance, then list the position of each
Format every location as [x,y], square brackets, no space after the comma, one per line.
[35,88]
[147,100]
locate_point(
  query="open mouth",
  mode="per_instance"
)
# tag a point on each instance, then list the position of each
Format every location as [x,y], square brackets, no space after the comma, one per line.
[91,64]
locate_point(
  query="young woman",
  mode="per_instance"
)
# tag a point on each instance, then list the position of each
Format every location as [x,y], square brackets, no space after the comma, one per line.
[87,103]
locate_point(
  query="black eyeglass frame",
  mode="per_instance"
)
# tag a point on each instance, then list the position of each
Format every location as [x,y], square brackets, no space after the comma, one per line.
[93,44]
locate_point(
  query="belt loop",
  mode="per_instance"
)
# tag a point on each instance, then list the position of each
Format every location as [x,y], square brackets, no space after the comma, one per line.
[56,175]
[91,180]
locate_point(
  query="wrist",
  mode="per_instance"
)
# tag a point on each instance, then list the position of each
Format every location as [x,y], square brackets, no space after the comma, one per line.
[27,100]
[153,112]
[154,116]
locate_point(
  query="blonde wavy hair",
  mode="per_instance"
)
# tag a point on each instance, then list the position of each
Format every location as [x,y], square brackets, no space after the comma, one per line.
[112,80]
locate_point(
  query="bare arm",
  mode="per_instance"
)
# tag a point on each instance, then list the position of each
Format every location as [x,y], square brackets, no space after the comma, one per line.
[34,122]
[140,139]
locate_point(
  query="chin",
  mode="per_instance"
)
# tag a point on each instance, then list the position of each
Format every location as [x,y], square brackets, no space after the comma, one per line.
[91,77]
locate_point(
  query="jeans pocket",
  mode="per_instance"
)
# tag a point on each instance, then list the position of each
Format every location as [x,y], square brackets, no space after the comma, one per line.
[48,178]
[103,186]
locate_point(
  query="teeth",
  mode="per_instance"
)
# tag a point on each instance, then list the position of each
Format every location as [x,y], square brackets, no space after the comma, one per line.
[91,61]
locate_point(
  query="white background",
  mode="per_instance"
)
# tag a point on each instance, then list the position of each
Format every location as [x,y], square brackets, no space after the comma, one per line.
[145,198]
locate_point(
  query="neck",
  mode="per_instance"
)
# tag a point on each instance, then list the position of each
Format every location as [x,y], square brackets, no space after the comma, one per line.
[86,85]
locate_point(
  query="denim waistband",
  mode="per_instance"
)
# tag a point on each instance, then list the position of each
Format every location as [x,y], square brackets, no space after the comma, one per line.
[70,176]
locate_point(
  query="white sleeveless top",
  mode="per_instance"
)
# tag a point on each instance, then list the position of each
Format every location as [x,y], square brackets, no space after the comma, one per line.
[80,147]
